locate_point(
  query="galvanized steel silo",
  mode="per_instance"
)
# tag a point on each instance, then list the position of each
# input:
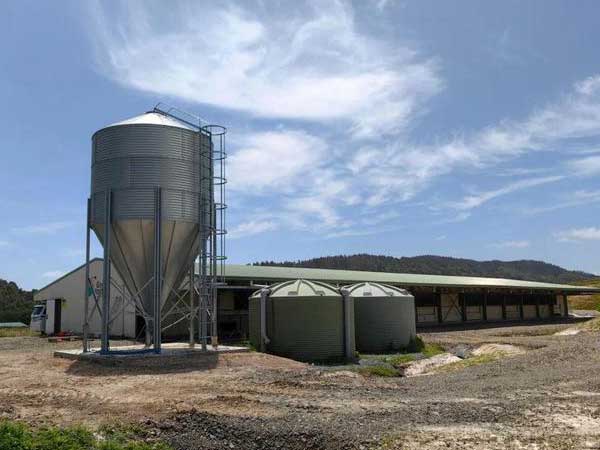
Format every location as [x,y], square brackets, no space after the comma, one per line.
[148,165]
[384,317]
[302,320]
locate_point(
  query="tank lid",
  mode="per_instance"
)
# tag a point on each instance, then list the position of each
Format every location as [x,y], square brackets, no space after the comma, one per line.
[375,290]
[303,288]
[153,118]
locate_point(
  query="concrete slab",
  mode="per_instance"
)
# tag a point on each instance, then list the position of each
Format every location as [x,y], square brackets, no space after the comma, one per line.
[135,352]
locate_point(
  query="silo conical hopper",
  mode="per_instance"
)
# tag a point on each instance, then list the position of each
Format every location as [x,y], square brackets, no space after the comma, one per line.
[149,169]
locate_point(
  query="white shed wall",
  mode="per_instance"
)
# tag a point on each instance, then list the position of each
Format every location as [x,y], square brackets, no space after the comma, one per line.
[70,288]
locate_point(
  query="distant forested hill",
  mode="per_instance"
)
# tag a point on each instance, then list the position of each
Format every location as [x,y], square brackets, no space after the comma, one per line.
[15,303]
[443,265]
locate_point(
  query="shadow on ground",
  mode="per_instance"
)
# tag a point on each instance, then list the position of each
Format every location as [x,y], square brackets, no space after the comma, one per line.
[140,365]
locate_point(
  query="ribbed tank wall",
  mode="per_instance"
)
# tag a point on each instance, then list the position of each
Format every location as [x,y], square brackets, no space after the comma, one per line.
[306,328]
[383,324]
[304,321]
[384,320]
[133,160]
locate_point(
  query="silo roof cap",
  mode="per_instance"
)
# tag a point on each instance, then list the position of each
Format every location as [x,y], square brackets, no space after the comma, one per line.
[303,288]
[153,118]
[375,290]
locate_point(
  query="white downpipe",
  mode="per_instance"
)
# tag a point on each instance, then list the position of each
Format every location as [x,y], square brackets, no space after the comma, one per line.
[264,339]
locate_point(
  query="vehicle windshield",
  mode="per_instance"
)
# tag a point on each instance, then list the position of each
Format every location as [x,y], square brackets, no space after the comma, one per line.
[38,310]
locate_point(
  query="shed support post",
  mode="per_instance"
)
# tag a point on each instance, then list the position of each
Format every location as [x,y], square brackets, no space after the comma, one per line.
[537,307]
[415,306]
[463,306]
[503,306]
[87,285]
[105,344]
[521,312]
[485,299]
[438,298]
[565,306]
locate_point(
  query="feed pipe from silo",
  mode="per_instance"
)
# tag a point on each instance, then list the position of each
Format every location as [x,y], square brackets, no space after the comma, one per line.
[264,339]
[348,306]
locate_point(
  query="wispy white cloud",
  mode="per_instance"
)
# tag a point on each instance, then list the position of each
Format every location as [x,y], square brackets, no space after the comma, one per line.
[381,5]
[511,244]
[476,200]
[587,166]
[571,200]
[43,228]
[400,170]
[251,228]
[579,234]
[53,274]
[461,216]
[522,171]
[297,62]
[275,160]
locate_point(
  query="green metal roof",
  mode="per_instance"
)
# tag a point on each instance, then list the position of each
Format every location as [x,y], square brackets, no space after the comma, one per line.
[268,273]
[240,272]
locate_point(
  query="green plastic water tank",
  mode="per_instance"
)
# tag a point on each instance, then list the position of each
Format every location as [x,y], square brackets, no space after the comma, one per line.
[304,321]
[384,317]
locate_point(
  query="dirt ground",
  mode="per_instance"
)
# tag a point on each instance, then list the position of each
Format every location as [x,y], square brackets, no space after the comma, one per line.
[545,398]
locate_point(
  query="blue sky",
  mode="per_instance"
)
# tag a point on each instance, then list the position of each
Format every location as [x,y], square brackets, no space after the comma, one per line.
[469,129]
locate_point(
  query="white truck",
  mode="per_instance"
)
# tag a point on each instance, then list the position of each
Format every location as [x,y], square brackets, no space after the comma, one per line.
[46,317]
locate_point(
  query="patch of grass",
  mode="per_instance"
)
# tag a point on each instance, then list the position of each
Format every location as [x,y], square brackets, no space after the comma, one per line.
[75,438]
[19,436]
[432,350]
[469,362]
[15,436]
[398,360]
[16,332]
[417,345]
[379,371]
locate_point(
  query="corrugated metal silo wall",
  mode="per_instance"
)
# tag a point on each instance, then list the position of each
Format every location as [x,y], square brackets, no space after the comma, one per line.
[383,324]
[306,328]
[138,158]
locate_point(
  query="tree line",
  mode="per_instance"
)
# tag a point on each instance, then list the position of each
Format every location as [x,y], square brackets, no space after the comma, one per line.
[15,303]
[443,265]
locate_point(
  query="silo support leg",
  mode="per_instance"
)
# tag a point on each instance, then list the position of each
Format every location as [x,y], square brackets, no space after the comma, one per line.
[87,285]
[157,271]
[105,344]
[191,285]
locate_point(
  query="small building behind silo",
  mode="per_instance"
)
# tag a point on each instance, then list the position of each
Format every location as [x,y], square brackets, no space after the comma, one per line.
[384,317]
[302,320]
